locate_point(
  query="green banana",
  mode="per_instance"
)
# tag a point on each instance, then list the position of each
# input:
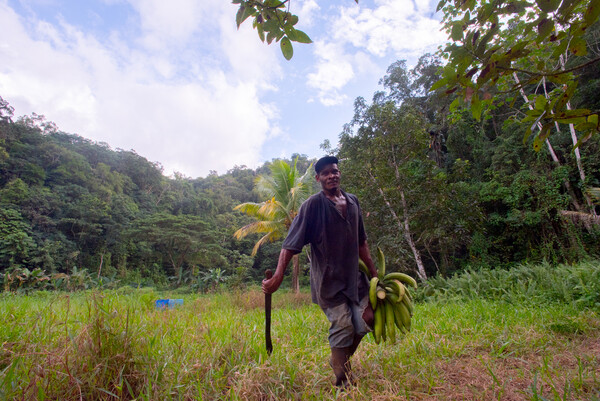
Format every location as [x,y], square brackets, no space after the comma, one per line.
[398,320]
[408,303]
[392,296]
[363,267]
[373,292]
[391,301]
[389,321]
[402,277]
[381,262]
[397,287]
[378,325]
[404,315]
[407,294]
[381,307]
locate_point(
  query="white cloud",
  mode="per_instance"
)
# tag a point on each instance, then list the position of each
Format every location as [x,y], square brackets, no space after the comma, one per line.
[189,111]
[334,71]
[391,26]
[168,23]
[359,37]
[306,13]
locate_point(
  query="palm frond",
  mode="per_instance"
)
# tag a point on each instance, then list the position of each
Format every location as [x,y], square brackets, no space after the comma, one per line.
[285,190]
[260,227]
[269,237]
[250,208]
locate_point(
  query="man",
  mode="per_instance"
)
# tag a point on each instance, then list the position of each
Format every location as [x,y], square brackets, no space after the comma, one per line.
[331,222]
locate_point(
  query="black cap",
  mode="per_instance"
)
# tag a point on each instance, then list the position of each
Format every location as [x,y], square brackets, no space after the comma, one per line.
[323,161]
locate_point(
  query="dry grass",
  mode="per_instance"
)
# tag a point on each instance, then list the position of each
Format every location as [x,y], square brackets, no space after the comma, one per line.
[254,298]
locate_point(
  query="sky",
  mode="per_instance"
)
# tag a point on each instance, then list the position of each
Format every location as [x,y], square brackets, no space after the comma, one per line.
[179,84]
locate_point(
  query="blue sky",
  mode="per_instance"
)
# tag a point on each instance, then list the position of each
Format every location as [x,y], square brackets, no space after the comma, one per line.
[179,84]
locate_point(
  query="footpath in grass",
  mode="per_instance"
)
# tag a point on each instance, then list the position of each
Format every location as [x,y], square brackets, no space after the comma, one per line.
[116,345]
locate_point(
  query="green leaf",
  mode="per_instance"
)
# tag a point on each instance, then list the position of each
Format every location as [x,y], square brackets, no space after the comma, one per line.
[585,126]
[545,28]
[457,31]
[560,49]
[545,132]
[476,107]
[261,32]
[540,102]
[548,6]
[274,3]
[579,46]
[526,136]
[592,13]
[537,144]
[239,16]
[574,113]
[559,79]
[455,104]
[271,25]
[485,12]
[271,36]
[438,84]
[242,14]
[286,48]
[298,36]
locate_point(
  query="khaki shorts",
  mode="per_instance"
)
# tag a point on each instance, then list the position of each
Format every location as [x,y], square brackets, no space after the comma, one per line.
[346,322]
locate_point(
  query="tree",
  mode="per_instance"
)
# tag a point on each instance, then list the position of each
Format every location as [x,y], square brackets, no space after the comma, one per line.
[285,190]
[16,244]
[184,239]
[6,111]
[411,204]
[504,47]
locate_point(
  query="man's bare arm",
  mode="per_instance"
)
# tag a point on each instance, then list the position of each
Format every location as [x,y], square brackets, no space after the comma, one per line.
[271,285]
[365,255]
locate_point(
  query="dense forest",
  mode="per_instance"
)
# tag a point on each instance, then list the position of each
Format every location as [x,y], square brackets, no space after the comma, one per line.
[80,213]
[441,191]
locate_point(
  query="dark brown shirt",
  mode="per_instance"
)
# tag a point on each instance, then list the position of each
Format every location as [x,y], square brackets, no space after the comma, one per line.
[334,242]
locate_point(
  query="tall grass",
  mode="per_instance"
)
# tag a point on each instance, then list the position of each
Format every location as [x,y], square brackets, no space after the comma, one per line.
[115,345]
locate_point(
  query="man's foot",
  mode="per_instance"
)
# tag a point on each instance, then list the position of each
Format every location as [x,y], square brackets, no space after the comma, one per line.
[342,369]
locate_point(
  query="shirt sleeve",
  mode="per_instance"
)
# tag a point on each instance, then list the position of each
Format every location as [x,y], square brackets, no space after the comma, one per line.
[299,232]
[362,233]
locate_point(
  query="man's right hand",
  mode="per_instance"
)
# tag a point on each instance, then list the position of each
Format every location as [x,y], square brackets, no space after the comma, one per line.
[271,285]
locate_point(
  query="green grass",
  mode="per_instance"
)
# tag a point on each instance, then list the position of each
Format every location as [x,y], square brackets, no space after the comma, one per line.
[116,345]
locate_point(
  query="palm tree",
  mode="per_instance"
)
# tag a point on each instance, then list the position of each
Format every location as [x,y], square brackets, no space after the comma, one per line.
[285,190]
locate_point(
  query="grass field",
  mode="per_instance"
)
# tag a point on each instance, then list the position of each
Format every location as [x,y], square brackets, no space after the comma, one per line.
[116,345]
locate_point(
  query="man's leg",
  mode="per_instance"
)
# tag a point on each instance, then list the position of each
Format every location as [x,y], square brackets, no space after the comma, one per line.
[341,334]
[341,366]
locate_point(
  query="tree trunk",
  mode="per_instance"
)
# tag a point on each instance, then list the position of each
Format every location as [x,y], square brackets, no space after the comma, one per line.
[566,183]
[296,273]
[100,267]
[404,226]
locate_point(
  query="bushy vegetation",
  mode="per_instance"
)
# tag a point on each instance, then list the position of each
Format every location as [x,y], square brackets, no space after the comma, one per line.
[573,285]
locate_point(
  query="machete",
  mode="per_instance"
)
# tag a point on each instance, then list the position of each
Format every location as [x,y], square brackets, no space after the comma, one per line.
[268,275]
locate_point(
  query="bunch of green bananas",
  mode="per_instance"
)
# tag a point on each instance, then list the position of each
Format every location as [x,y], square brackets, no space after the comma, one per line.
[391,301]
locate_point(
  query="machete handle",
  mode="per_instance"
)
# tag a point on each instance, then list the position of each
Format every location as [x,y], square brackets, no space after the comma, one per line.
[268,343]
